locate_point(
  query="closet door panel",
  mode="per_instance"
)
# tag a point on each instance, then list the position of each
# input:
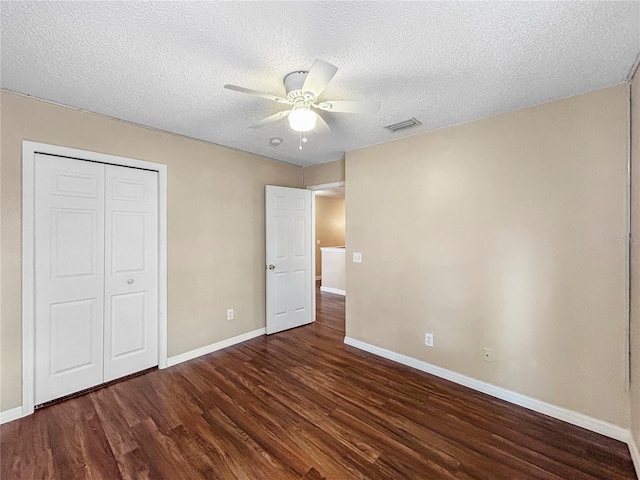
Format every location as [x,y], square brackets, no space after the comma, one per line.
[131,277]
[69,276]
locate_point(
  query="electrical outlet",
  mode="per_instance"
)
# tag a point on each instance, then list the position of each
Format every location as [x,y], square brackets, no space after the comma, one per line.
[357,257]
[230,314]
[486,355]
[428,339]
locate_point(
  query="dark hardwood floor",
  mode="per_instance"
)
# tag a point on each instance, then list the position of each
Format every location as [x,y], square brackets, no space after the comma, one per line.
[299,404]
[329,310]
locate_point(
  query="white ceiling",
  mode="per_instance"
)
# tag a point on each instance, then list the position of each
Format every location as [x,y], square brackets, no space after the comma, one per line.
[163,64]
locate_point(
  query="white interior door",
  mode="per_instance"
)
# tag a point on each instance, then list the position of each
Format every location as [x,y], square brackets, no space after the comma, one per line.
[96,274]
[131,271]
[69,276]
[289,255]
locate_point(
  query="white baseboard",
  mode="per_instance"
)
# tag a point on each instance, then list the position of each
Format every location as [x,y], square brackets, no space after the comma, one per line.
[11,414]
[333,290]
[570,416]
[318,278]
[198,352]
[635,454]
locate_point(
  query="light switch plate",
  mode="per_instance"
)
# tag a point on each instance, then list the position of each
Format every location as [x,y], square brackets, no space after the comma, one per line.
[357,257]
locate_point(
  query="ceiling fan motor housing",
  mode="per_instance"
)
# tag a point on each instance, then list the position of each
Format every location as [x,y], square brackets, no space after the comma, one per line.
[293,83]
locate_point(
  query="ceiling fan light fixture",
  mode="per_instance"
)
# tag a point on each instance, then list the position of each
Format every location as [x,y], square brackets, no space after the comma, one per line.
[302,119]
[303,88]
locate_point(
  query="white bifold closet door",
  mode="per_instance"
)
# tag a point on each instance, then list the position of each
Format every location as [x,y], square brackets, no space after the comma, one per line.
[96,271]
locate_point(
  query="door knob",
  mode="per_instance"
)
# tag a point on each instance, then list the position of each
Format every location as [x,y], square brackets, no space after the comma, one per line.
[130,281]
[272,266]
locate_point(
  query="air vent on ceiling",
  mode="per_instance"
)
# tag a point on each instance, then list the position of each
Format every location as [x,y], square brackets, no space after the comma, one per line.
[411,122]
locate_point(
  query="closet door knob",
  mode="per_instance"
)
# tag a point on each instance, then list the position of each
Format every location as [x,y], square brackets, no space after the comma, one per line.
[130,281]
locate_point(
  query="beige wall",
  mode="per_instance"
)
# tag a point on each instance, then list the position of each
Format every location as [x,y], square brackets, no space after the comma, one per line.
[215,224]
[635,261]
[329,226]
[507,233]
[325,173]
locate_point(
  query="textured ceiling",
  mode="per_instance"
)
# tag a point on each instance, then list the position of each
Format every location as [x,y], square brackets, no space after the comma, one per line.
[163,64]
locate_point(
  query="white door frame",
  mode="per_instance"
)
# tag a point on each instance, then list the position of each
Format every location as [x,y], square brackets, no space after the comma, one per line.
[325,186]
[29,150]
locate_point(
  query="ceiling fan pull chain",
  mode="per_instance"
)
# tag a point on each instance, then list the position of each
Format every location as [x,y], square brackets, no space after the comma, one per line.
[300,147]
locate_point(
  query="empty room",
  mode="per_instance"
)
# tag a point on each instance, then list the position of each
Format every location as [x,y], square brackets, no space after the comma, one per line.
[320,240]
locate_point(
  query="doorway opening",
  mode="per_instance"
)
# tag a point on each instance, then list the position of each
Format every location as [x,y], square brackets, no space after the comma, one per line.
[330,256]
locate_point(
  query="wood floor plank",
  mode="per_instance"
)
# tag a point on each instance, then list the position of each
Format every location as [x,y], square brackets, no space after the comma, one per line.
[300,404]
[117,431]
[28,456]
[79,446]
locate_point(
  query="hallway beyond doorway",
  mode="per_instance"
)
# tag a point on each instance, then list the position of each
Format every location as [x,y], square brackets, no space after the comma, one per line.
[330,310]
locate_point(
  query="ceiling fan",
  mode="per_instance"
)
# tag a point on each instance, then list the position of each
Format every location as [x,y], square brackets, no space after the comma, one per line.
[302,91]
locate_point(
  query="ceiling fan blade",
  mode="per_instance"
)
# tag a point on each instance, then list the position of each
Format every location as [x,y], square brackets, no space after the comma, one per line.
[270,119]
[318,77]
[349,106]
[321,126]
[268,96]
